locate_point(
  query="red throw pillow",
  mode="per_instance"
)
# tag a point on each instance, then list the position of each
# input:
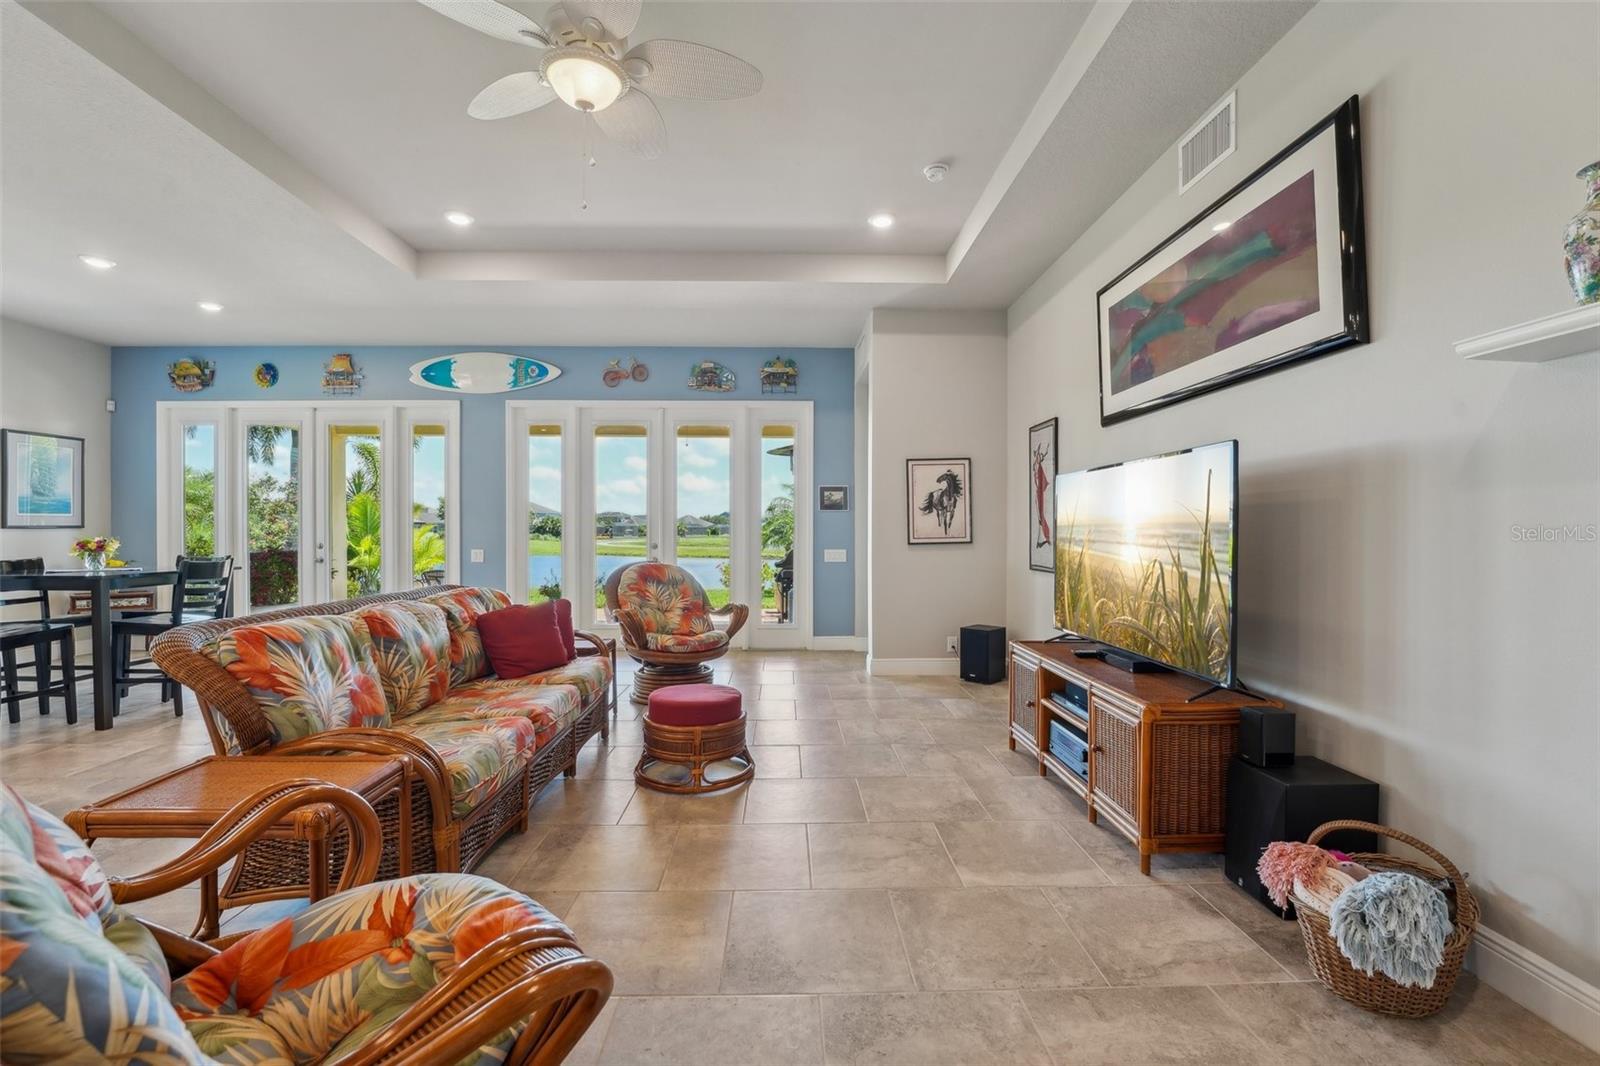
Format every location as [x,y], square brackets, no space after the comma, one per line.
[522,640]
[564,623]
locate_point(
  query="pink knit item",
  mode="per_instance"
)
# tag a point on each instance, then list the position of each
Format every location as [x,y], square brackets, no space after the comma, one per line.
[1283,861]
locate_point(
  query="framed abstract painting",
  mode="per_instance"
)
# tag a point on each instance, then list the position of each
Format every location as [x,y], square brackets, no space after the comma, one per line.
[1042,496]
[938,501]
[42,480]
[1272,273]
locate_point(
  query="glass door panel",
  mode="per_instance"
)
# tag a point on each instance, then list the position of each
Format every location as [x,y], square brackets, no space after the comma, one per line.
[200,489]
[274,509]
[703,486]
[352,547]
[429,486]
[545,530]
[620,480]
[776,497]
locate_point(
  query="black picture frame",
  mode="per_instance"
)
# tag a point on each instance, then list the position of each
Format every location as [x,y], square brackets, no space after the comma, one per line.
[8,439]
[823,503]
[963,500]
[1345,121]
[1038,429]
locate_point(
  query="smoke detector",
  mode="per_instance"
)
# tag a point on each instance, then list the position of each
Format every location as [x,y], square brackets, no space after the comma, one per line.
[935,172]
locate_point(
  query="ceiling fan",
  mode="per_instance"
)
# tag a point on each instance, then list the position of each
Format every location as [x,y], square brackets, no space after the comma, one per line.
[586,63]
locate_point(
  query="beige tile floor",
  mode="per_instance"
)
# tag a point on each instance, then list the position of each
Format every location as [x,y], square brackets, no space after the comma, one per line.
[895,886]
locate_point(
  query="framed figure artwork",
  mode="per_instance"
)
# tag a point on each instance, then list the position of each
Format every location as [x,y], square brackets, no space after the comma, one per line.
[1042,496]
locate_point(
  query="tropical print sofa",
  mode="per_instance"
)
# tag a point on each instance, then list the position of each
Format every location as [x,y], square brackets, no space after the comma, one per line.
[363,976]
[406,674]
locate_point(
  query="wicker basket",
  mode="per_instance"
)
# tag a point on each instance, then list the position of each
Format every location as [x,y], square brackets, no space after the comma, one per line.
[1377,992]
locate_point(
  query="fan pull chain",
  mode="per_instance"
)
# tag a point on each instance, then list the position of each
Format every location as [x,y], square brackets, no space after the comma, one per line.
[588,161]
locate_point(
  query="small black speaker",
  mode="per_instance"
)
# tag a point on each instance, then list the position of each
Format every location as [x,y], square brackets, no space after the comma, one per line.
[1266,736]
[1268,803]
[983,654]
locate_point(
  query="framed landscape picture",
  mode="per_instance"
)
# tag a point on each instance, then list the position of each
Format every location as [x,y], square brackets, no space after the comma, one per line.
[938,501]
[833,498]
[42,480]
[1042,496]
[1271,273]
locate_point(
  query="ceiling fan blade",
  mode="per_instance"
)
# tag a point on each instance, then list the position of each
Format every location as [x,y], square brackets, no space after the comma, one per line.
[511,95]
[692,71]
[494,19]
[616,17]
[635,123]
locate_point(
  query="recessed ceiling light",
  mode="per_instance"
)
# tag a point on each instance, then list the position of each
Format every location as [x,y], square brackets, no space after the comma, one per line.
[881,220]
[210,305]
[1220,226]
[458,218]
[98,262]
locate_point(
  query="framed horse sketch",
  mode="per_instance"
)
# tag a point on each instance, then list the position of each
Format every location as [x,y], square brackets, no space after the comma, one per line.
[1042,496]
[938,501]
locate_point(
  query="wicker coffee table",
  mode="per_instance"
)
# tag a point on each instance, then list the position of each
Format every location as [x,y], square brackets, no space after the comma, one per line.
[300,857]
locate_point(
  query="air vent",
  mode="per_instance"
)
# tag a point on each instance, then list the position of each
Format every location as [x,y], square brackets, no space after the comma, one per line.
[1208,143]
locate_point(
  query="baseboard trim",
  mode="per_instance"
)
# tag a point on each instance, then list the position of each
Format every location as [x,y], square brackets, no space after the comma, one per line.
[846,643]
[1563,999]
[949,667]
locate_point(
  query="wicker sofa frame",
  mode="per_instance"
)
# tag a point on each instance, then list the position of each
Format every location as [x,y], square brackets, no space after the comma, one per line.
[537,973]
[440,842]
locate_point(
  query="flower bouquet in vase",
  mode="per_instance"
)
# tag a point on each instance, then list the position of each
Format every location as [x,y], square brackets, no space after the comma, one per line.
[94,551]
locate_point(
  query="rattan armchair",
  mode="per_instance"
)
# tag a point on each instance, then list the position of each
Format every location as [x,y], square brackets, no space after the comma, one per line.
[666,623]
[534,975]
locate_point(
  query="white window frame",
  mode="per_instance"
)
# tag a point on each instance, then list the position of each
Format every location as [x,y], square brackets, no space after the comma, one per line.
[577,420]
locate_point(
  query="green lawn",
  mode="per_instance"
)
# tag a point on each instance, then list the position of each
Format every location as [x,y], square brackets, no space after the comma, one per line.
[708,547]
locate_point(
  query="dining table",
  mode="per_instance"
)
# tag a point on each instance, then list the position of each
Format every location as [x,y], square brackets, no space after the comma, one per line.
[99,584]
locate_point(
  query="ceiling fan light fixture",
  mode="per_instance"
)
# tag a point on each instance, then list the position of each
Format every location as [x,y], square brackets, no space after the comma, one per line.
[584,79]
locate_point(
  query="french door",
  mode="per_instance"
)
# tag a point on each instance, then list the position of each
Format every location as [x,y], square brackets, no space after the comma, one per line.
[709,486]
[315,502]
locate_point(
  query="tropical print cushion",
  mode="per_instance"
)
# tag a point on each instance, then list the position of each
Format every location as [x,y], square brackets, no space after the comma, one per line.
[461,609]
[589,674]
[307,674]
[549,707]
[479,754]
[686,642]
[75,985]
[314,987]
[411,644]
[666,599]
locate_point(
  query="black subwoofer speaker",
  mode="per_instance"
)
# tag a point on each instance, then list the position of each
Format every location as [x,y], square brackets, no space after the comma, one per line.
[983,654]
[1267,803]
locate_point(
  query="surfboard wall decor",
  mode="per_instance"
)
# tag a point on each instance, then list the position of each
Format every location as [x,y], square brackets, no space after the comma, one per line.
[482,372]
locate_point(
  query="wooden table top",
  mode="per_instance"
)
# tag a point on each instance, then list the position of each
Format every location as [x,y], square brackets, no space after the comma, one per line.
[195,796]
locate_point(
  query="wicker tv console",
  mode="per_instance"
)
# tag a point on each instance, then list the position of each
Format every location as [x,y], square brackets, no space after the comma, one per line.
[1157,764]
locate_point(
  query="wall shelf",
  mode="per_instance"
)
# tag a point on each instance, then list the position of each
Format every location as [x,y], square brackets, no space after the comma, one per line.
[1571,332]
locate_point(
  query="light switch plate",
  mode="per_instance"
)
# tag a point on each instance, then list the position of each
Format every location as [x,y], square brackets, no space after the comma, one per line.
[477,555]
[835,555]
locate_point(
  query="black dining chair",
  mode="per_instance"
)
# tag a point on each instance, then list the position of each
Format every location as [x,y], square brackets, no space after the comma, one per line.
[40,636]
[202,592]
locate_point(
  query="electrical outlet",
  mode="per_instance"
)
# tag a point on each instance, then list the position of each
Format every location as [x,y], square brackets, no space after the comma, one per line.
[477,555]
[949,643]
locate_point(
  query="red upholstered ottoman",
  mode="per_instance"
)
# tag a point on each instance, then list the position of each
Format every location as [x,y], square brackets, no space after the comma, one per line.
[694,740]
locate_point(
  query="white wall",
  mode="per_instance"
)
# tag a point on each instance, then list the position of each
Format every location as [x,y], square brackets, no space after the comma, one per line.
[937,389]
[53,383]
[1381,591]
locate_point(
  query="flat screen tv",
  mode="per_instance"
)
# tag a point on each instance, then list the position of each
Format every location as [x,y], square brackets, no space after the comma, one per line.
[1145,558]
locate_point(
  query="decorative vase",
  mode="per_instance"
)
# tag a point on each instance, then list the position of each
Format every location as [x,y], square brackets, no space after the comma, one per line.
[94,561]
[1582,241]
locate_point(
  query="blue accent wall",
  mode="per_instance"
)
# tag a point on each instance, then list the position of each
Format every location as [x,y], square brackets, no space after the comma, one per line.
[139,381]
